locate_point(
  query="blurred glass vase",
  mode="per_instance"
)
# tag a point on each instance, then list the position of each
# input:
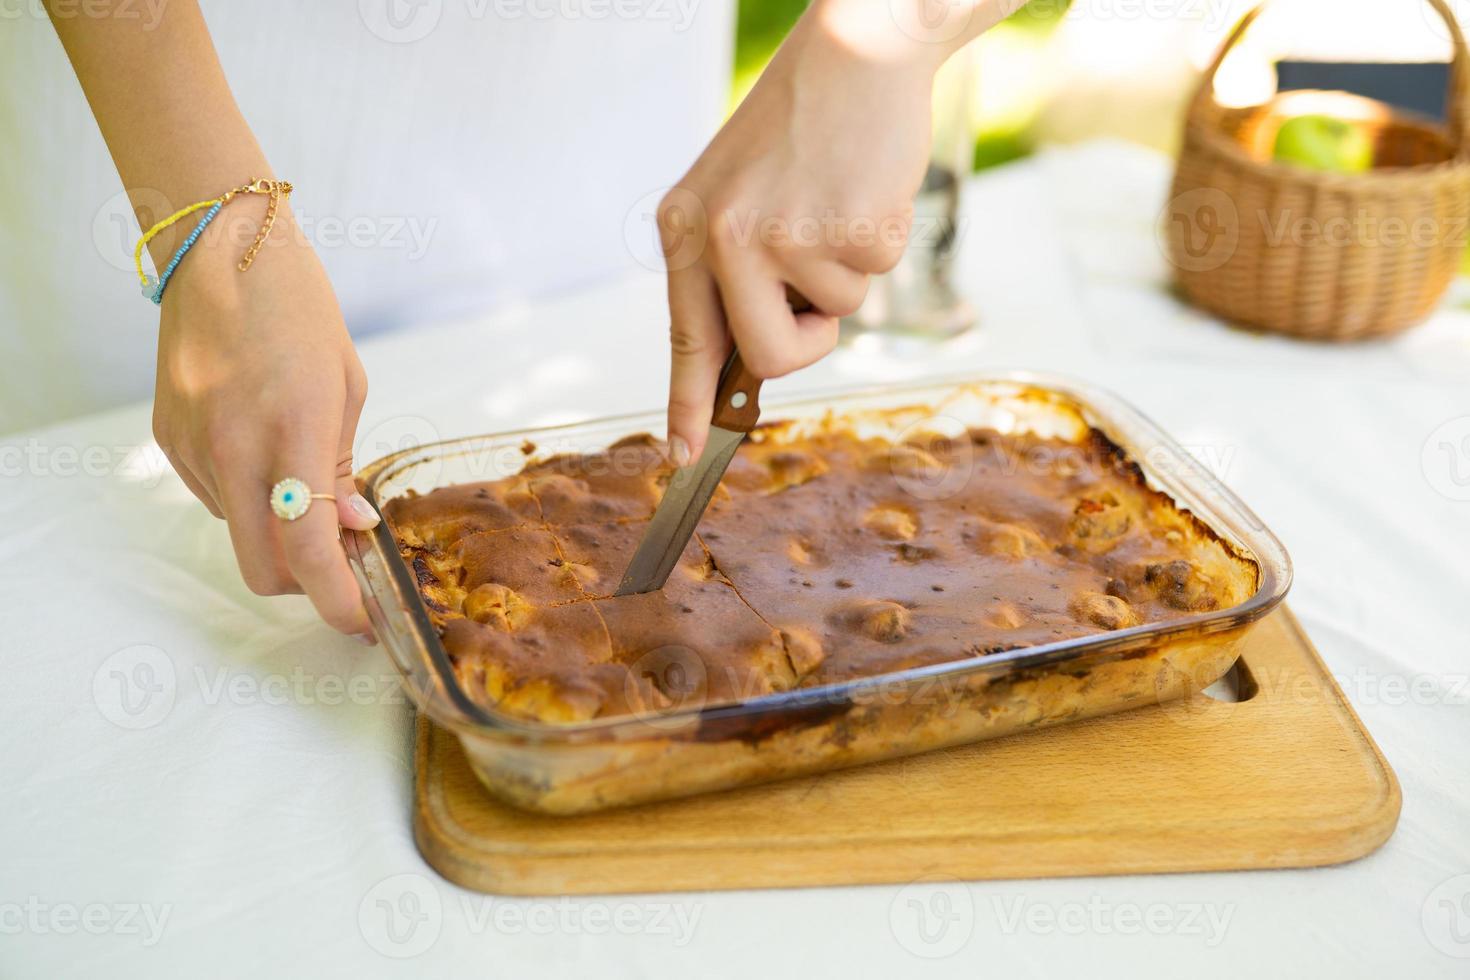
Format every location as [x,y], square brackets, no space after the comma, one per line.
[917,296]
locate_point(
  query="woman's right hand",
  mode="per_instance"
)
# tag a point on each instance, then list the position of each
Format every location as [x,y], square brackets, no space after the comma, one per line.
[258,381]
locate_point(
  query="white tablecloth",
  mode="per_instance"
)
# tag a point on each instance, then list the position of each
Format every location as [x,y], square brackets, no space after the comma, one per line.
[197,781]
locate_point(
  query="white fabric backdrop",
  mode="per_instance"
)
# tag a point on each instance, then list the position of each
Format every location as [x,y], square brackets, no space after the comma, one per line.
[256,803]
[448,155]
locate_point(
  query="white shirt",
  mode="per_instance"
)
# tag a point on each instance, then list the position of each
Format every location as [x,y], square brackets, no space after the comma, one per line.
[448,155]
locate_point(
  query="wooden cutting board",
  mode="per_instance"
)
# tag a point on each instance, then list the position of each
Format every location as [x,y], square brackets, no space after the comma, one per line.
[1286,777]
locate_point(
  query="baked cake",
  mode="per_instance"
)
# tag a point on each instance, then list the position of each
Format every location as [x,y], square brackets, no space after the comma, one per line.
[828,554]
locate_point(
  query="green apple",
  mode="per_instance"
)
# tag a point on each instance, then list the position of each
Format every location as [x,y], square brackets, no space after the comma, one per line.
[1324,143]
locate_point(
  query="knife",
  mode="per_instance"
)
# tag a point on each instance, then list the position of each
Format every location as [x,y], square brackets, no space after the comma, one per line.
[737,409]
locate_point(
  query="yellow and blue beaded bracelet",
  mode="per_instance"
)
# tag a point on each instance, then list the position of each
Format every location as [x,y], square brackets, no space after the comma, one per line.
[153,287]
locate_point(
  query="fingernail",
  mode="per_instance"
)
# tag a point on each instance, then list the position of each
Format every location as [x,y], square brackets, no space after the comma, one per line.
[362,508]
[678,451]
[366,639]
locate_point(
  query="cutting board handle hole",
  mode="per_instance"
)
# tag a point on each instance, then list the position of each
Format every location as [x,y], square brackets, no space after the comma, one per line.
[1238,685]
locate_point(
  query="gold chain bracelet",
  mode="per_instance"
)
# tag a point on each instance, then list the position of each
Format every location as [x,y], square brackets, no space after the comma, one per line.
[274,190]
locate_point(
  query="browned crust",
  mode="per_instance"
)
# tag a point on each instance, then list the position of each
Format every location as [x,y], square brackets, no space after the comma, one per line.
[816,564]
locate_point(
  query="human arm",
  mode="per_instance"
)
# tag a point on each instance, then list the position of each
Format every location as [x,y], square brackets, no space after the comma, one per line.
[809,184]
[257,378]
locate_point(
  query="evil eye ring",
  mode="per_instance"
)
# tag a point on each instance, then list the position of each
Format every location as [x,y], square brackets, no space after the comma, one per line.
[291,498]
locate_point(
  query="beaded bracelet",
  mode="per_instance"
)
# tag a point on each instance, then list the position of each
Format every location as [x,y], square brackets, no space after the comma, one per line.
[275,189]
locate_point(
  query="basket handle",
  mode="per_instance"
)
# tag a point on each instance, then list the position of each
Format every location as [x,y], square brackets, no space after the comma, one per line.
[1457,102]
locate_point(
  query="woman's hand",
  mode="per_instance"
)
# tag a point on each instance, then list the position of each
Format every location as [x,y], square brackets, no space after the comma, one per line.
[809,184]
[258,381]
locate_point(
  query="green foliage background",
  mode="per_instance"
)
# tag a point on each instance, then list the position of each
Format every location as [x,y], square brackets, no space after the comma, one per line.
[761,25]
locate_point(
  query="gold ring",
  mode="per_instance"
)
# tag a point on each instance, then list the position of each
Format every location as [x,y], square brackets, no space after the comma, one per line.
[291,498]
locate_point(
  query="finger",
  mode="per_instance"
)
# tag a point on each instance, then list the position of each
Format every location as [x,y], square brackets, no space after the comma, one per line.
[877,248]
[698,345]
[772,339]
[254,530]
[311,543]
[202,488]
[199,489]
[353,510]
[830,286]
[197,484]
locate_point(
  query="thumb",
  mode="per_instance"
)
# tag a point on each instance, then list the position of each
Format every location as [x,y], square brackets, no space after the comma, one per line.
[353,510]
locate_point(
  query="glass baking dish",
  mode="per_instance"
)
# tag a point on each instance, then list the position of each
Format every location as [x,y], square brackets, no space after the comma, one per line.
[581,767]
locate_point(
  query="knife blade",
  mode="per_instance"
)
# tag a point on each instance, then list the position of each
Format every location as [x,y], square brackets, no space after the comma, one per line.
[737,409]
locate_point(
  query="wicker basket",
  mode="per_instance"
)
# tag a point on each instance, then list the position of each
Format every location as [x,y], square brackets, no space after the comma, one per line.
[1316,254]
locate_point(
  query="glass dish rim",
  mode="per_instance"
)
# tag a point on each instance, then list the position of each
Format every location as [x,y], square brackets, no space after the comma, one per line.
[1264,548]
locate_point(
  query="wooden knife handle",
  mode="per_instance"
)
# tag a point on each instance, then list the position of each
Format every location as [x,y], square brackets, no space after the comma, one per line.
[737,399]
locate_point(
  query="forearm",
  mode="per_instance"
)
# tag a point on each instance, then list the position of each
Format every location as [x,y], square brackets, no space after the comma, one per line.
[163,106]
[924,33]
